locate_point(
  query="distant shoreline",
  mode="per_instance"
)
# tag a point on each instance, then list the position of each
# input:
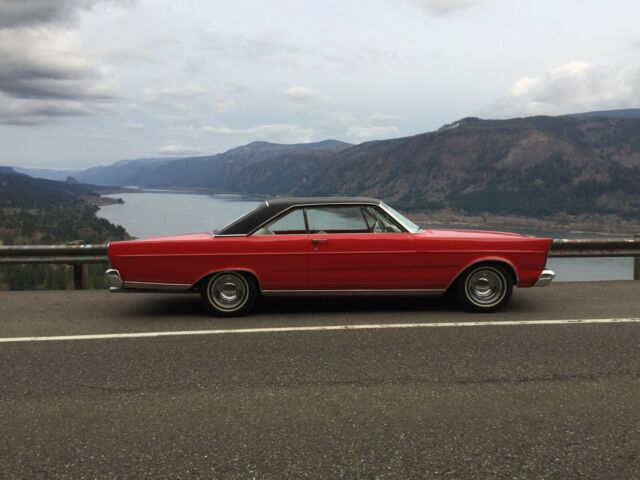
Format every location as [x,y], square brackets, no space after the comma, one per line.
[592,224]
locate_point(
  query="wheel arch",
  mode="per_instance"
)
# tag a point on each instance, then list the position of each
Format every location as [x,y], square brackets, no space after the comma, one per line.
[487,261]
[198,283]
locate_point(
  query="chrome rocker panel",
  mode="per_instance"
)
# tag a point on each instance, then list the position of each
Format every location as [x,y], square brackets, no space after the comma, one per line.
[116,284]
[352,293]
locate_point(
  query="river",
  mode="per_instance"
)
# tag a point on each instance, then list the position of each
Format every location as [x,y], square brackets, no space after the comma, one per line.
[154,213]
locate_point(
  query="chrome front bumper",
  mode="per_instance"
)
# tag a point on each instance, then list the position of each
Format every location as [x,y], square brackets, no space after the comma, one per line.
[545,278]
[113,279]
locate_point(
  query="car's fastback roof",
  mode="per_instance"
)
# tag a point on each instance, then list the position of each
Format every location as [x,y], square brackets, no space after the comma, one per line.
[274,206]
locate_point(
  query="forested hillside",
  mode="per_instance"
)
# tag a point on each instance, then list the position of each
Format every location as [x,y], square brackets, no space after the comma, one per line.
[35,211]
[535,166]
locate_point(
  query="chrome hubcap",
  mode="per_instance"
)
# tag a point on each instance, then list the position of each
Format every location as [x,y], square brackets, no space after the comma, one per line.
[228,291]
[486,287]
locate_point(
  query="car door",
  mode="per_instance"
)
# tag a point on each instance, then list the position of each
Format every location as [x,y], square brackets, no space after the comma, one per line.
[278,252]
[349,251]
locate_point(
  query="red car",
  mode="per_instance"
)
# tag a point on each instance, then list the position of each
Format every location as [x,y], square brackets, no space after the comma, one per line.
[331,246]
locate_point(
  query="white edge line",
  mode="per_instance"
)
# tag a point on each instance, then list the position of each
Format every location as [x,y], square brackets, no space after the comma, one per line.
[505,323]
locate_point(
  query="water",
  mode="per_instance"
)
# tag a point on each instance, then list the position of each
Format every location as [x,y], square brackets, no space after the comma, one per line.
[149,214]
[152,214]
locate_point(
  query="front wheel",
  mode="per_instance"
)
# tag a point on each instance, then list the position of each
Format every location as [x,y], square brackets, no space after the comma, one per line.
[485,288]
[229,294]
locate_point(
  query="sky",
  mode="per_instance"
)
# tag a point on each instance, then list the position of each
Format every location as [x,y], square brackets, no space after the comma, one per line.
[88,82]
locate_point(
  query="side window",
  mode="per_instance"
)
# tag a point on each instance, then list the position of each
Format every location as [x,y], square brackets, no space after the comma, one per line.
[336,220]
[289,224]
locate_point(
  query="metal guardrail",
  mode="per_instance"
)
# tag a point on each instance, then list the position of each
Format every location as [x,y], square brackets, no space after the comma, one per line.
[624,247]
[78,255]
[599,247]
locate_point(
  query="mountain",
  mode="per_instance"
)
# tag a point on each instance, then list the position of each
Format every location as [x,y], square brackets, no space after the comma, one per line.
[122,173]
[7,170]
[623,113]
[211,171]
[46,173]
[21,191]
[531,166]
[536,166]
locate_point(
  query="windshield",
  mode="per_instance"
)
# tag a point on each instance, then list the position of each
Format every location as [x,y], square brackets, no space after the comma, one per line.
[412,227]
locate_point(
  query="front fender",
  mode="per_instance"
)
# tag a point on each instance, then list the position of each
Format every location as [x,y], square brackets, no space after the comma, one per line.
[490,259]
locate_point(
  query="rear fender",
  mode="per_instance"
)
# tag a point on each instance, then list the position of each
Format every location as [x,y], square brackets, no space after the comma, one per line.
[229,269]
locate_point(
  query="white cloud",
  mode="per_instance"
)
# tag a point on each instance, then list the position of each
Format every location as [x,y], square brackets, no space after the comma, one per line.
[19,13]
[135,126]
[178,149]
[384,117]
[184,129]
[164,94]
[523,85]
[130,55]
[304,95]
[277,50]
[571,88]
[222,105]
[445,7]
[373,126]
[43,63]
[236,88]
[43,74]
[277,132]
[20,111]
[372,131]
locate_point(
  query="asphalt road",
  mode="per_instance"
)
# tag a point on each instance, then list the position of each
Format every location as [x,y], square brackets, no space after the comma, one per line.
[559,400]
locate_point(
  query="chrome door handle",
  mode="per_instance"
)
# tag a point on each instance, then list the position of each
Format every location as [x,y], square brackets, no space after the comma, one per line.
[318,241]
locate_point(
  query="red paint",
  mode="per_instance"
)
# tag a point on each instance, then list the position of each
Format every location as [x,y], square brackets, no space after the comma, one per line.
[428,260]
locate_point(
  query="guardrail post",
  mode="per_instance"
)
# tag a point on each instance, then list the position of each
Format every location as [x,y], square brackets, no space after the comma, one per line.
[78,276]
[636,262]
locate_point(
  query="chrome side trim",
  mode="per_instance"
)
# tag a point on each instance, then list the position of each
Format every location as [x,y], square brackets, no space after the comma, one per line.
[545,278]
[175,287]
[112,278]
[353,292]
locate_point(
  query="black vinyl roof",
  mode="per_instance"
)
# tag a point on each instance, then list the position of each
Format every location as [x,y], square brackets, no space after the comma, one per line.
[273,207]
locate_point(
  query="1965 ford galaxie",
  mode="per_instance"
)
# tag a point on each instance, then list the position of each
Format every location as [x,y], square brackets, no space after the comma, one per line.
[331,246]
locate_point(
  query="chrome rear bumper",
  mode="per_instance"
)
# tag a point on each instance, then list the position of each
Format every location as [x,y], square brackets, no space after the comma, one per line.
[113,279]
[545,278]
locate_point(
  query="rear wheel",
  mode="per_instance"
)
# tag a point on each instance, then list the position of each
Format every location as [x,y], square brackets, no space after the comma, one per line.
[485,288]
[229,294]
